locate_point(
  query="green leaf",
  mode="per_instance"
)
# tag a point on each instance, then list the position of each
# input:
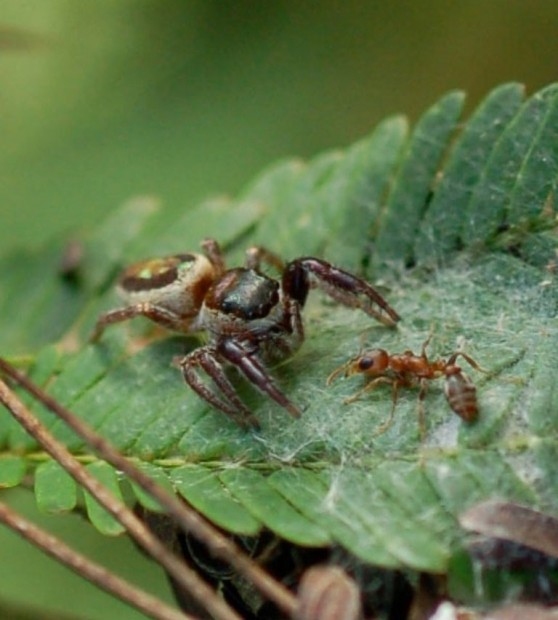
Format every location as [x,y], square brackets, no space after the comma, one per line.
[202,488]
[36,305]
[55,489]
[440,230]
[100,518]
[158,475]
[455,224]
[408,198]
[521,170]
[261,500]
[310,493]
[12,470]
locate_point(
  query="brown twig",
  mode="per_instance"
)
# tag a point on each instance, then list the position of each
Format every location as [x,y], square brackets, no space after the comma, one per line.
[93,572]
[186,517]
[184,575]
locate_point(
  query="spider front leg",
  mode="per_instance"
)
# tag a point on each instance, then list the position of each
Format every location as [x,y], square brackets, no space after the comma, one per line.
[344,287]
[206,358]
[157,314]
[248,363]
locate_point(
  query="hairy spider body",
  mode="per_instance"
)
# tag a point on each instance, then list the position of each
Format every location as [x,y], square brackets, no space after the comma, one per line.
[409,370]
[250,318]
[170,290]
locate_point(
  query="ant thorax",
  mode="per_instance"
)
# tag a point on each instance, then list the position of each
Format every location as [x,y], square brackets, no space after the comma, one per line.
[176,283]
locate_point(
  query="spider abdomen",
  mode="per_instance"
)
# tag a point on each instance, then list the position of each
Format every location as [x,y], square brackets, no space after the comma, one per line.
[176,283]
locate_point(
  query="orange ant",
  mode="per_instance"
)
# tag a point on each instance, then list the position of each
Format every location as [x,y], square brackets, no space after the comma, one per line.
[408,370]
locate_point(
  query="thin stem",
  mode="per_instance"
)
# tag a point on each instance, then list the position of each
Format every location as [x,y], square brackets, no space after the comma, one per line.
[184,575]
[93,572]
[185,515]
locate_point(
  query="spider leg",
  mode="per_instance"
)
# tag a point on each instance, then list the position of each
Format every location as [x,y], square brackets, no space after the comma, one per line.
[206,359]
[256,255]
[295,328]
[249,364]
[213,251]
[341,285]
[155,313]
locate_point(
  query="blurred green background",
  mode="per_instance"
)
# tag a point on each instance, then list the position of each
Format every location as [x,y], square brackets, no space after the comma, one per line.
[103,100]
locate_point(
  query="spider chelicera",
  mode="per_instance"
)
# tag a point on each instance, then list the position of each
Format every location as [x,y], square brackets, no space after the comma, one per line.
[251,319]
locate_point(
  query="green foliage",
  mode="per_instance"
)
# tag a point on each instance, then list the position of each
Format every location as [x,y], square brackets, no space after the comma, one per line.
[456,223]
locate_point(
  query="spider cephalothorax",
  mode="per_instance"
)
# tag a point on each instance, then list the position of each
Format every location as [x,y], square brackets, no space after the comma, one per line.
[250,318]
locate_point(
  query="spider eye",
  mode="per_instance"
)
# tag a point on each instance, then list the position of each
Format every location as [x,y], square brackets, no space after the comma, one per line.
[366,363]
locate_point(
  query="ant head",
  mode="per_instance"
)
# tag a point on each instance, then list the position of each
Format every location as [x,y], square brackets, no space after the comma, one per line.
[372,362]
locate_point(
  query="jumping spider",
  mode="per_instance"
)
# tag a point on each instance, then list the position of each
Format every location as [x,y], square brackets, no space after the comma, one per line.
[407,370]
[250,318]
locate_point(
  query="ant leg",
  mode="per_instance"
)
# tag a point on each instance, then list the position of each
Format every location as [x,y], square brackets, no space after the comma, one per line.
[339,371]
[389,421]
[451,361]
[425,345]
[371,385]
[353,292]
[421,416]
[205,358]
[155,313]
[258,254]
[249,364]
